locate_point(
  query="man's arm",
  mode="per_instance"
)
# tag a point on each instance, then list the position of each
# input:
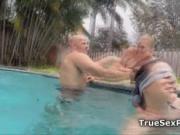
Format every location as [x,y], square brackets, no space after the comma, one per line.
[85,63]
[108,61]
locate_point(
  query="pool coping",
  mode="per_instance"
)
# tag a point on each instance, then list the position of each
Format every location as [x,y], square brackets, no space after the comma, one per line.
[98,84]
[24,70]
[122,88]
[116,87]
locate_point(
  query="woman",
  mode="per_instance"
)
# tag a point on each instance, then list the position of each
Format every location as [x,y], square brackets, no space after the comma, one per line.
[154,97]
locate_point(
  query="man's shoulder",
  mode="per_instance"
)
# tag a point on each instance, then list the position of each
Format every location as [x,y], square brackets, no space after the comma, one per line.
[72,54]
[78,54]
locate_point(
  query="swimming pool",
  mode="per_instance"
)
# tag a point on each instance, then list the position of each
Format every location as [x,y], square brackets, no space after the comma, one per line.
[29,105]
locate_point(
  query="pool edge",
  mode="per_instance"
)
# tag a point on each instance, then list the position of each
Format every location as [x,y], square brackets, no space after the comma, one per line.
[28,72]
[113,87]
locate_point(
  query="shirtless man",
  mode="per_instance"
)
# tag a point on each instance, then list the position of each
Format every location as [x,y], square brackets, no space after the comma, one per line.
[145,46]
[146,43]
[130,57]
[76,63]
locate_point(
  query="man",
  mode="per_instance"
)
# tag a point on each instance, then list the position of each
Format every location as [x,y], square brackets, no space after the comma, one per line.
[76,64]
[155,99]
[131,56]
[146,43]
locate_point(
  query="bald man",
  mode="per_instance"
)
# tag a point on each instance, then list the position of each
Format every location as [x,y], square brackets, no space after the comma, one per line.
[144,50]
[146,43]
[131,57]
[76,63]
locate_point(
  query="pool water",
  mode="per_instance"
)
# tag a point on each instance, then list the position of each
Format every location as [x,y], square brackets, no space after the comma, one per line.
[29,105]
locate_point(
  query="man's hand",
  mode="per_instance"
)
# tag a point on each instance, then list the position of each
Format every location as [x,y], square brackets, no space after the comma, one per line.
[128,71]
[90,78]
[132,58]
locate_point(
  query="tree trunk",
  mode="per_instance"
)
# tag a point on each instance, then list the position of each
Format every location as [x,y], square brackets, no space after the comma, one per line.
[113,9]
[3,35]
[93,22]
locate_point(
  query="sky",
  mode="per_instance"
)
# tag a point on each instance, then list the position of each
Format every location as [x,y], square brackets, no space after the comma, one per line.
[128,26]
[126,14]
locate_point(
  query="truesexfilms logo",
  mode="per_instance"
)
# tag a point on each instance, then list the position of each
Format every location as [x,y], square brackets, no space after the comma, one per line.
[159,123]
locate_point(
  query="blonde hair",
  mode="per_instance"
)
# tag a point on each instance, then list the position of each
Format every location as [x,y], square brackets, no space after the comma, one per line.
[150,38]
[76,37]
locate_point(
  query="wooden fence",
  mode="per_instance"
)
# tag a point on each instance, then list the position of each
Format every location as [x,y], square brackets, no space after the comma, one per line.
[170,56]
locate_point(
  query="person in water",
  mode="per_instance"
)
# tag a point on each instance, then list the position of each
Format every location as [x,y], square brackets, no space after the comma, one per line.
[131,57]
[76,64]
[155,98]
[146,43]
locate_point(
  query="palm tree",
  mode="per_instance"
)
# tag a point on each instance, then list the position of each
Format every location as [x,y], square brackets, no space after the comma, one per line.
[35,26]
[47,22]
[107,9]
[2,19]
[5,24]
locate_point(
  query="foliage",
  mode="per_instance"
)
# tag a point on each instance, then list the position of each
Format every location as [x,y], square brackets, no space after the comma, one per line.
[29,28]
[103,40]
[36,26]
[113,35]
[45,69]
[160,19]
[178,80]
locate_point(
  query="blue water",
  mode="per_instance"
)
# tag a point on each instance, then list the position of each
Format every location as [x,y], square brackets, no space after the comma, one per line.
[29,105]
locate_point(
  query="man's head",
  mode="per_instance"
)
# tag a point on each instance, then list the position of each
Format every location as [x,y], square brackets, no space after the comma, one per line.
[79,43]
[146,43]
[132,59]
[155,83]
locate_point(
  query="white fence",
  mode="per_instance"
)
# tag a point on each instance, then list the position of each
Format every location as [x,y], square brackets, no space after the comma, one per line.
[170,56]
